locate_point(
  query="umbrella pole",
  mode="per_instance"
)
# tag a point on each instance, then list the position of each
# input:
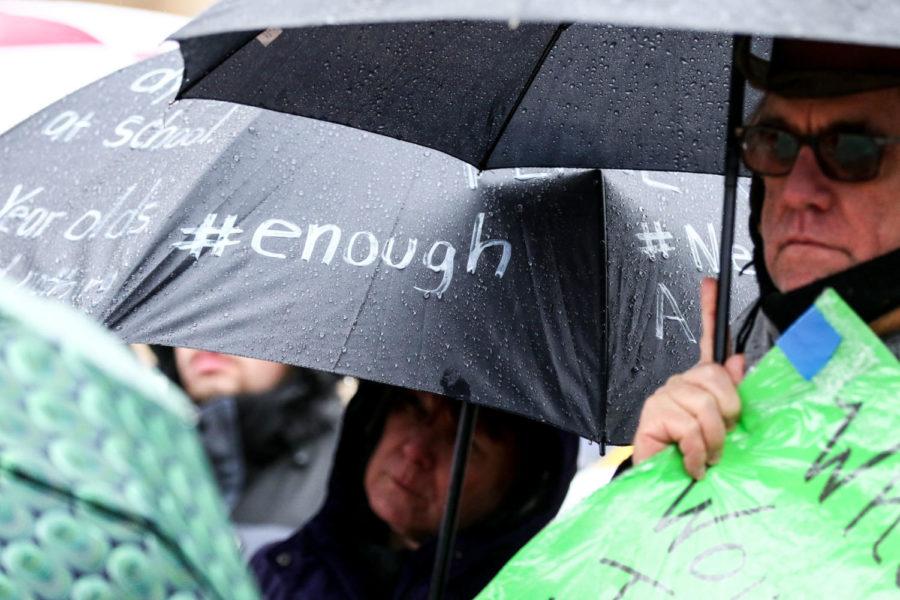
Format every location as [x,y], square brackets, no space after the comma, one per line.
[447,533]
[732,163]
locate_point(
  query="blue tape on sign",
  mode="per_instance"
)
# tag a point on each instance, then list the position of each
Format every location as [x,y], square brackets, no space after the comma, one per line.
[809,343]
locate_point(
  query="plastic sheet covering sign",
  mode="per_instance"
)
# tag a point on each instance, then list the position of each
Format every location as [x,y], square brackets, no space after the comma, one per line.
[805,502]
[104,491]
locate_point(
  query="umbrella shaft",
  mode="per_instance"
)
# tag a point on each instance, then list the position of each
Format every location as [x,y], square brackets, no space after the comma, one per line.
[447,534]
[732,163]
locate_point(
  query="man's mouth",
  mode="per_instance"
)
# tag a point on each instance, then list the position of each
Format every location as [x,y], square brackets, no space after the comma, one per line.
[208,362]
[800,241]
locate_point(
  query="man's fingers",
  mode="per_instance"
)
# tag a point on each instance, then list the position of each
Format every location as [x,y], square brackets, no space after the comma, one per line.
[693,410]
[651,436]
[735,367]
[690,441]
[665,422]
[694,456]
[717,382]
[704,408]
[708,288]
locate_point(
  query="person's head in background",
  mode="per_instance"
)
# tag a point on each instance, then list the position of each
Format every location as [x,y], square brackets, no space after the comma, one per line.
[407,477]
[206,375]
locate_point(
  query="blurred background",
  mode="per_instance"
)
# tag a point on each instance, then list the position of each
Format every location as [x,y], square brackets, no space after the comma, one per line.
[178,7]
[50,48]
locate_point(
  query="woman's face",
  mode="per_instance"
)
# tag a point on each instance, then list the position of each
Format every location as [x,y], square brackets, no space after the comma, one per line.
[408,474]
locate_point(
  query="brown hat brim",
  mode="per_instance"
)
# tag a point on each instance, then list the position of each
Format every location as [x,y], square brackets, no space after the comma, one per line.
[801,69]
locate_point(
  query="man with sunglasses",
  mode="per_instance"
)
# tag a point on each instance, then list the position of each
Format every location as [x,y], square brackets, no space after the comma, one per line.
[824,150]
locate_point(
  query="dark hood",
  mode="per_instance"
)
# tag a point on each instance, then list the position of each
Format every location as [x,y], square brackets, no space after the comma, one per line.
[345,522]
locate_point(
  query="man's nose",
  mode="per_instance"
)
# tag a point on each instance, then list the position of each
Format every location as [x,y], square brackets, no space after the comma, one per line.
[418,447]
[806,186]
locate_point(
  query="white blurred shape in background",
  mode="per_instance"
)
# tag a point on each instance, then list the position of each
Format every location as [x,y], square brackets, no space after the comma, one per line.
[51,48]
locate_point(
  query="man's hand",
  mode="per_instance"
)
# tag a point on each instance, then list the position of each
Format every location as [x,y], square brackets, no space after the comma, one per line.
[694,409]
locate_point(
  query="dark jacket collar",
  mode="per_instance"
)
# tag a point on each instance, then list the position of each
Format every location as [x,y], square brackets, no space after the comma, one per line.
[871,288]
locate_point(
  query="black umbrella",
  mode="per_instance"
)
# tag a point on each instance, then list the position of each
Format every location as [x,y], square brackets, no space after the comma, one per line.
[468,79]
[496,95]
[512,84]
[191,226]
[243,231]
[865,21]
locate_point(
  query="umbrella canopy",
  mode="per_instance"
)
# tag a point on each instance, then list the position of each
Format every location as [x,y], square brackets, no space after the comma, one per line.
[504,94]
[104,488]
[545,95]
[248,232]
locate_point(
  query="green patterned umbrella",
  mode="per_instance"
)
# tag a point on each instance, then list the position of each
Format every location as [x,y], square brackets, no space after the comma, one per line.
[104,488]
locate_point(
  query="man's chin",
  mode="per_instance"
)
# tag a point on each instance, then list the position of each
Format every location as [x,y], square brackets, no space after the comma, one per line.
[205,391]
[801,269]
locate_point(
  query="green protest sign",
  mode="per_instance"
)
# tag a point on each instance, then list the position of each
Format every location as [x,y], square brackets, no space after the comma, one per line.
[805,502]
[105,492]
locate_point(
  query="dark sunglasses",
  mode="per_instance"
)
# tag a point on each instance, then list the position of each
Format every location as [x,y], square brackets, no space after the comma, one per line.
[848,157]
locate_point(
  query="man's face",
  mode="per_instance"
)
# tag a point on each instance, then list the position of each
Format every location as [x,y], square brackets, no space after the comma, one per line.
[206,375]
[408,474]
[813,226]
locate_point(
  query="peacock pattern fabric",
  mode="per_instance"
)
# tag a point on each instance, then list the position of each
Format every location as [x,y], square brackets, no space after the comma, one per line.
[104,488]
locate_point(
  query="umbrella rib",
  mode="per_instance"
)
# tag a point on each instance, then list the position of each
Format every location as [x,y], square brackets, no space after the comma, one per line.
[144,522]
[603,320]
[482,165]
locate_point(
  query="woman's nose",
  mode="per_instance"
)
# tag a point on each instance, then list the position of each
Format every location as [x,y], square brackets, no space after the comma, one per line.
[418,447]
